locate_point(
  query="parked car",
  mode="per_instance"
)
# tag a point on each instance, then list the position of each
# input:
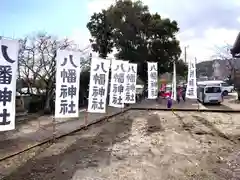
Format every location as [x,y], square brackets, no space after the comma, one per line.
[226,88]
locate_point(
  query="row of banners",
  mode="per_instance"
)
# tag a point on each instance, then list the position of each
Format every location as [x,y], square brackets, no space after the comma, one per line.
[122,83]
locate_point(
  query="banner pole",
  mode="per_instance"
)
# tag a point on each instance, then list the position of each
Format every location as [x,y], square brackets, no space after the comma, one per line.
[86,118]
[122,109]
[198,105]
[39,123]
[54,129]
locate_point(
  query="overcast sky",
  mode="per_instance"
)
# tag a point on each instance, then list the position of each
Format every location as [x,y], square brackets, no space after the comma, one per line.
[203,24]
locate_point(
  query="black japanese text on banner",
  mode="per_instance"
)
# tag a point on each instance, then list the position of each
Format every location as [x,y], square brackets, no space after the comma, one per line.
[191,91]
[152,80]
[8,73]
[98,85]
[119,70]
[67,84]
[130,92]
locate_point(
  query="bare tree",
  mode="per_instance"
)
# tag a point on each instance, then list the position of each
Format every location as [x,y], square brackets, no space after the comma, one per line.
[37,63]
[232,65]
[223,53]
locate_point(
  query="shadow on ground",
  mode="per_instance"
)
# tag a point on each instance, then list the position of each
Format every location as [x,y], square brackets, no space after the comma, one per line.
[84,153]
[217,107]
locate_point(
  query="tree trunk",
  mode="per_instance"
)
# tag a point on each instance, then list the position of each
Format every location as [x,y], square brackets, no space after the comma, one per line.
[47,106]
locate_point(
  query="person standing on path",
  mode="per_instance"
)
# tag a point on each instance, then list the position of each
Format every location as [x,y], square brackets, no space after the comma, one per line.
[179,94]
[184,94]
[169,102]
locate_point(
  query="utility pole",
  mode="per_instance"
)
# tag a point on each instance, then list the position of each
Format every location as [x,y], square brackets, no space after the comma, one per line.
[185,53]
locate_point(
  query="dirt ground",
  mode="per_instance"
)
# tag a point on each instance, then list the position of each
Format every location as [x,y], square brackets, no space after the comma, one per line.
[142,145]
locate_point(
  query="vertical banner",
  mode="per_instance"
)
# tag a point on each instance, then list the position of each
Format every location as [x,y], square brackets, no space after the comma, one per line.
[174,83]
[8,75]
[119,70]
[67,84]
[191,91]
[130,93]
[152,80]
[98,87]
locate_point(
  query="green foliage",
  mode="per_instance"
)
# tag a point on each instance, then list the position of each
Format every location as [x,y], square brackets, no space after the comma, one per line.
[84,82]
[181,68]
[85,78]
[101,32]
[138,35]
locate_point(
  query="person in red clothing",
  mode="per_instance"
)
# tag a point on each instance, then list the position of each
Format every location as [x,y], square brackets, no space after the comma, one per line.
[179,94]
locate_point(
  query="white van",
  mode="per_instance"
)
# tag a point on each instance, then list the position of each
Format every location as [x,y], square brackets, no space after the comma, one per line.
[209,94]
[226,89]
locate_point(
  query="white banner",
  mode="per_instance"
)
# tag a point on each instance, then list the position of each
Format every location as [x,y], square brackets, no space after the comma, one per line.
[130,95]
[152,80]
[174,83]
[8,74]
[67,84]
[191,91]
[98,87]
[119,70]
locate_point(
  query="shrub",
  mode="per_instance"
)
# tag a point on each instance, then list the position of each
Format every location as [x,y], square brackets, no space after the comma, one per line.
[36,104]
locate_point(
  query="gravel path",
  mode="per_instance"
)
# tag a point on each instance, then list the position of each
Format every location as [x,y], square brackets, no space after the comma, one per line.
[141,145]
